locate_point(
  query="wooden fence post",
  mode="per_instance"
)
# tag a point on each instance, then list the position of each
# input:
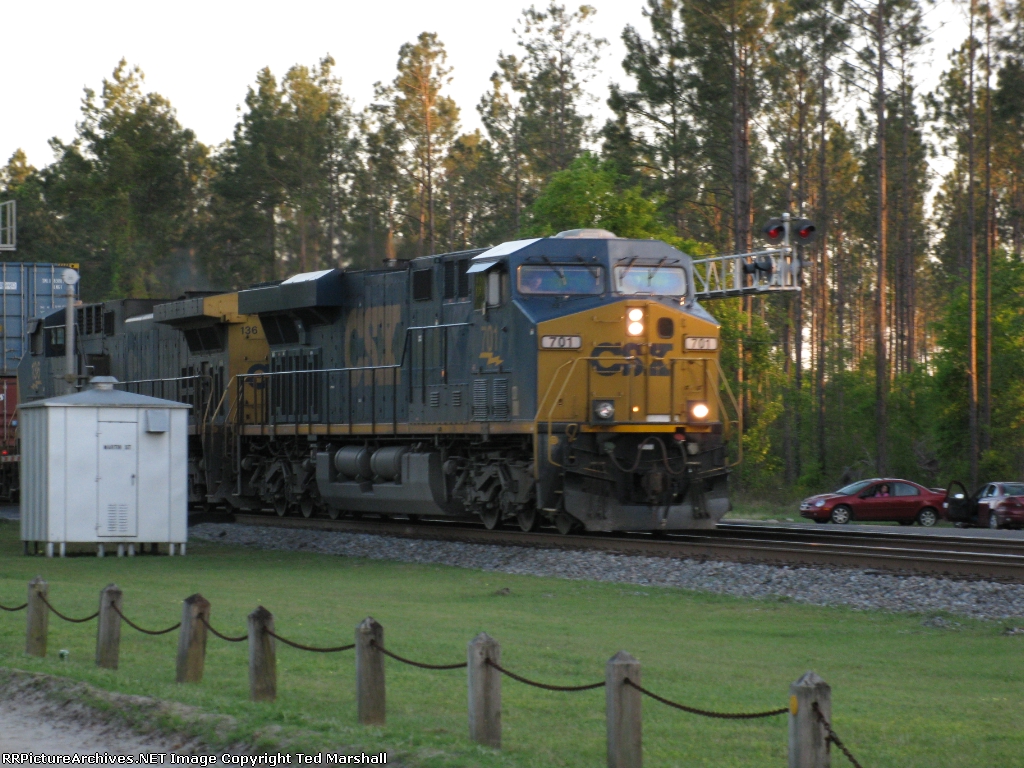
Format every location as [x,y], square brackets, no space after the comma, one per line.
[808,747]
[108,630]
[192,639]
[484,691]
[623,712]
[37,617]
[262,657]
[370,672]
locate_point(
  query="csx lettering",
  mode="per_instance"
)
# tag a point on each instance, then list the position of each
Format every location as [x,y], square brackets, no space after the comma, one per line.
[636,365]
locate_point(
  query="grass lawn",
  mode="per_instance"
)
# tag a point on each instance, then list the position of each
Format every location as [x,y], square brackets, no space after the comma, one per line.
[903,694]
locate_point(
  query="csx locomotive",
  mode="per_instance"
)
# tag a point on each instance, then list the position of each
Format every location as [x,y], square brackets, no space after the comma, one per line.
[571,380]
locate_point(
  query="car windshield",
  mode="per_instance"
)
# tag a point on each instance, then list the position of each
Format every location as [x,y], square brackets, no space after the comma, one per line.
[650,280]
[851,489]
[561,279]
[1014,489]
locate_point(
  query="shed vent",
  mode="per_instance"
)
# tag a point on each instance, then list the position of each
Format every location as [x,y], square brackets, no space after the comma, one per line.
[117,519]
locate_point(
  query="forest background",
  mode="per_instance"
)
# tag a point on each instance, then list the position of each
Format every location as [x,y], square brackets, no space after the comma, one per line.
[903,355]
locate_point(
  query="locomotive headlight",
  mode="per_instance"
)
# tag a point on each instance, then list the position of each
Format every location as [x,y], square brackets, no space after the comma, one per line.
[699,411]
[636,324]
[604,410]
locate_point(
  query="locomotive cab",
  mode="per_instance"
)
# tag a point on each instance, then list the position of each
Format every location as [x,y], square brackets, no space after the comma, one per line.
[627,421]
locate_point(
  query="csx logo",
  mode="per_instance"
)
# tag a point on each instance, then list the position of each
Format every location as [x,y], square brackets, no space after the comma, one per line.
[635,366]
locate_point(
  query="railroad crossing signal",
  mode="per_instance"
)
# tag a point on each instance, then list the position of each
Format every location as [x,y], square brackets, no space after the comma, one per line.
[800,231]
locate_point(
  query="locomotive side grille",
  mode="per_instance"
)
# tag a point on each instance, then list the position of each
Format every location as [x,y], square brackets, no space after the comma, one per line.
[499,399]
[480,400]
[457,398]
[435,398]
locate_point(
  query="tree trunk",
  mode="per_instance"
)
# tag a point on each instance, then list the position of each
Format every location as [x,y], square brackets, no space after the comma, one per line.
[881,367]
[972,266]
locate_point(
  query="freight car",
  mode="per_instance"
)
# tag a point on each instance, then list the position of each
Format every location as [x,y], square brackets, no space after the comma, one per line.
[27,291]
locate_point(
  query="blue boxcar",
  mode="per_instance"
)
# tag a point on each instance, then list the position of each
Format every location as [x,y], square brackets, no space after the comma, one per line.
[27,290]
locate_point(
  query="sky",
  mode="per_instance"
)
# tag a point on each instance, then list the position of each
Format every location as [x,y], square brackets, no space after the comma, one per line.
[203,55]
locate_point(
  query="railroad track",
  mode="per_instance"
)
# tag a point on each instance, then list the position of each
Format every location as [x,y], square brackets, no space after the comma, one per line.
[972,557]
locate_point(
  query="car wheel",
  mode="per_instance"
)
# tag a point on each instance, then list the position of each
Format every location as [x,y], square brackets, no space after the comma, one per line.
[993,521]
[841,515]
[927,517]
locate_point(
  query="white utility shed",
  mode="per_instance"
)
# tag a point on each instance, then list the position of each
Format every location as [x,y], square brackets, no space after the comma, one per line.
[104,466]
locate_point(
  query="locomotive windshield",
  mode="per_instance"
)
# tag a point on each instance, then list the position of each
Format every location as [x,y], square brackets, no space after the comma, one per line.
[561,279]
[652,280]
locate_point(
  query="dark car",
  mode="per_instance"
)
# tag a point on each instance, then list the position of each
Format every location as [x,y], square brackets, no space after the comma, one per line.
[996,505]
[880,499]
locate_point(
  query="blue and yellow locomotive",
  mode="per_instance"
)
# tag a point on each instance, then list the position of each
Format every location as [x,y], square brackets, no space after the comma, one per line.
[572,380]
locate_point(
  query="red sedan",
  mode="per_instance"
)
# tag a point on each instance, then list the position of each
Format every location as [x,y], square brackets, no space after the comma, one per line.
[997,505]
[887,499]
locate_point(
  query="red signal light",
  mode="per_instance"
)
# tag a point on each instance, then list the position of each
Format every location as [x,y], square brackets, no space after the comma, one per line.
[806,232]
[775,233]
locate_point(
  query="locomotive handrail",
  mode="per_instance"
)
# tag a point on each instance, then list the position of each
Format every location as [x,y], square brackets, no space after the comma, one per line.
[736,409]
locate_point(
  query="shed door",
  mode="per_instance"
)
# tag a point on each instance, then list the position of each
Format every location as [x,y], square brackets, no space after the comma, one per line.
[117,480]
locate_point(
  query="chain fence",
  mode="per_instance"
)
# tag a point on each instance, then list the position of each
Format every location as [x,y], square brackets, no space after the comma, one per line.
[136,627]
[706,712]
[833,737]
[543,686]
[230,639]
[66,618]
[830,735]
[314,649]
[411,663]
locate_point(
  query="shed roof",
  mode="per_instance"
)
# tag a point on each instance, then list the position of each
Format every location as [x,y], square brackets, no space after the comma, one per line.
[104,398]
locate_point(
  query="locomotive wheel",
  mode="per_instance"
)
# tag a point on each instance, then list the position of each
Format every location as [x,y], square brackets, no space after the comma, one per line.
[528,519]
[566,523]
[281,507]
[491,519]
[333,513]
[307,507]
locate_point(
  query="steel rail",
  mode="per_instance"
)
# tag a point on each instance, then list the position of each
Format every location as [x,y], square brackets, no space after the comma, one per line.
[952,558]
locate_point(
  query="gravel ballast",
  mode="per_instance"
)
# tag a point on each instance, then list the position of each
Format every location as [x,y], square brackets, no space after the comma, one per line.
[866,590]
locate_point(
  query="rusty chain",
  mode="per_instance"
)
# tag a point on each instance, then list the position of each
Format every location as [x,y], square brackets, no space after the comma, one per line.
[302,647]
[66,618]
[832,737]
[544,686]
[21,607]
[410,662]
[218,634]
[706,712]
[136,627]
